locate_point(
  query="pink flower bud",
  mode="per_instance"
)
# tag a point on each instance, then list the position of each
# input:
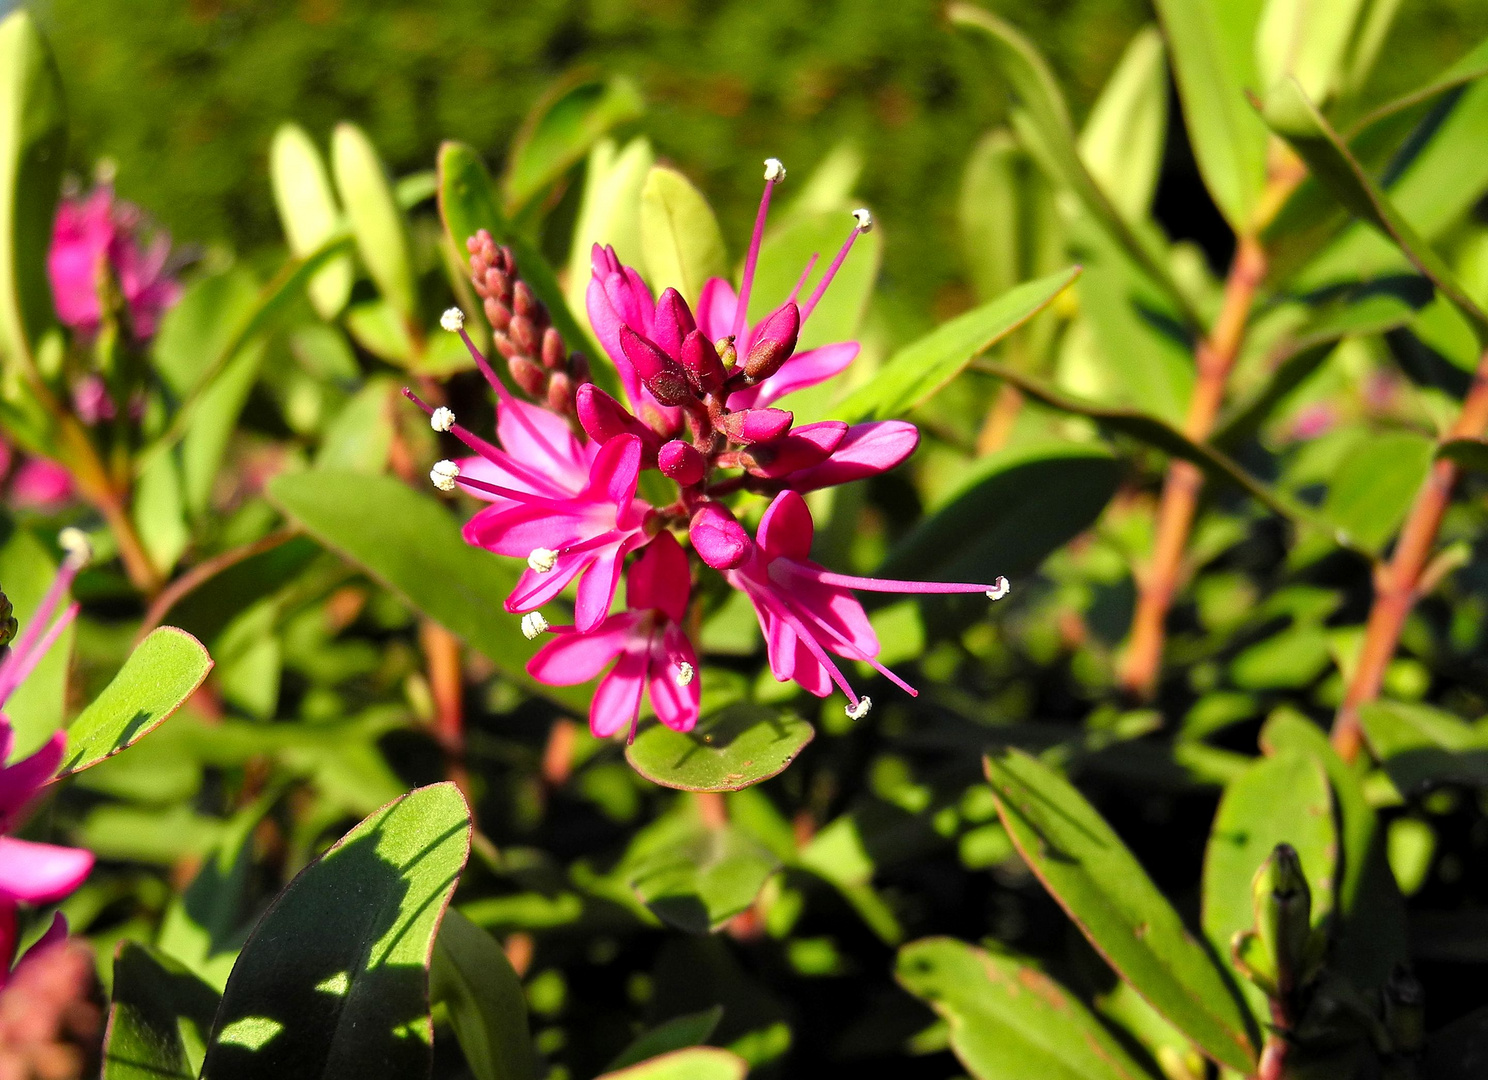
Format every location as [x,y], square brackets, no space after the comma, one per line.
[719,540]
[801,449]
[682,462]
[702,364]
[662,375]
[774,342]
[755,425]
[528,375]
[602,417]
[673,322]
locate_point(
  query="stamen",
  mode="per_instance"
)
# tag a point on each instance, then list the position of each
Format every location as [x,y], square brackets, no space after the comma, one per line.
[444,474]
[452,319]
[75,543]
[542,560]
[493,454]
[685,674]
[860,710]
[442,419]
[774,173]
[999,589]
[801,281]
[862,222]
[534,625]
[890,585]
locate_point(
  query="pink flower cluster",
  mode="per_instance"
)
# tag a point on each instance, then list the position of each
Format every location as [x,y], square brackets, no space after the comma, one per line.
[30,872]
[700,395]
[98,232]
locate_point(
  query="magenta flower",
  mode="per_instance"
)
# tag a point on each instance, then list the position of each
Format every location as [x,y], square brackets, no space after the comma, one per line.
[807,612]
[35,482]
[99,231]
[646,642]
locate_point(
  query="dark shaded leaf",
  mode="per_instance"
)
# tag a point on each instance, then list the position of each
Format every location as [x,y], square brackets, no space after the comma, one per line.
[487,1007]
[159,1020]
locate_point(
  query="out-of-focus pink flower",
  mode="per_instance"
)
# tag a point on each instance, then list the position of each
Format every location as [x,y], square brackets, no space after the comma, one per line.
[1314,420]
[91,401]
[808,612]
[646,643]
[41,484]
[99,230]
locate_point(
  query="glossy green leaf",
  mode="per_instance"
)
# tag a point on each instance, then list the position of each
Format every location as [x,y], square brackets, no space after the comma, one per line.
[1008,1020]
[915,373]
[412,544]
[159,1020]
[333,981]
[1149,365]
[487,1008]
[559,131]
[1374,487]
[1422,747]
[1210,42]
[695,1063]
[308,213]
[702,877]
[1122,141]
[36,708]
[163,671]
[610,210]
[1010,511]
[691,1029]
[1307,42]
[989,213]
[729,750]
[1103,888]
[159,513]
[376,221]
[467,204]
[33,150]
[1296,119]
[201,326]
[1278,800]
[681,244]
[1049,122]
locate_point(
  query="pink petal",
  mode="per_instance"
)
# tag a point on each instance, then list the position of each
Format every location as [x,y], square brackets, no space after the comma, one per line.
[799,372]
[543,442]
[40,873]
[676,706]
[618,697]
[516,528]
[21,781]
[597,587]
[573,657]
[719,540]
[673,322]
[867,450]
[786,530]
[660,579]
[615,471]
[533,590]
[834,607]
[716,306]
[40,483]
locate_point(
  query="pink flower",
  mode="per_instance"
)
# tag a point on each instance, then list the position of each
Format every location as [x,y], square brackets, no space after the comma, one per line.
[40,484]
[646,643]
[30,872]
[97,231]
[807,612]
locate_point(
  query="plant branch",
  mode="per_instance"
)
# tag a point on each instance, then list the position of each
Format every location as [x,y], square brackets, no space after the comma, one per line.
[203,572]
[1398,583]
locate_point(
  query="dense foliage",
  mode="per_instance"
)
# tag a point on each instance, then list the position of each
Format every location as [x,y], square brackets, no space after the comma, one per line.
[455,636]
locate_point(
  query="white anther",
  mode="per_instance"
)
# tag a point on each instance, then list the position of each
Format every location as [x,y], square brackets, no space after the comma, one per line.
[542,559]
[533,625]
[452,319]
[774,170]
[864,220]
[442,419]
[860,710]
[76,545]
[999,589]
[685,674]
[443,475]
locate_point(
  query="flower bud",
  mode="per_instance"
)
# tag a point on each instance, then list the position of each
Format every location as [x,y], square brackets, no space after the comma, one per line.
[673,322]
[719,540]
[1283,914]
[578,368]
[755,425]
[523,302]
[560,393]
[8,623]
[553,352]
[524,336]
[682,462]
[603,418]
[662,375]
[528,375]
[497,313]
[700,361]
[774,343]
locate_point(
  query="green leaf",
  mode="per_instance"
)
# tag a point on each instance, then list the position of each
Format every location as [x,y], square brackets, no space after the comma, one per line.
[333,981]
[1375,485]
[1470,68]
[1010,511]
[487,1007]
[1149,365]
[695,1063]
[1008,1020]
[213,423]
[467,204]
[1210,44]
[678,1033]
[1421,747]
[309,214]
[159,513]
[1470,454]
[1049,123]
[1296,119]
[376,221]
[380,330]
[559,131]
[33,151]
[411,543]
[729,750]
[1278,800]
[1122,142]
[163,671]
[159,1019]
[36,709]
[610,210]
[921,369]
[1103,888]
[702,877]
[989,213]
[1305,41]
[681,244]
[202,326]
[360,436]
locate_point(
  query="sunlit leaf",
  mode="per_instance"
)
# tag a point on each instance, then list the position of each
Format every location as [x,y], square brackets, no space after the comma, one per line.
[680,241]
[559,131]
[732,749]
[308,213]
[375,218]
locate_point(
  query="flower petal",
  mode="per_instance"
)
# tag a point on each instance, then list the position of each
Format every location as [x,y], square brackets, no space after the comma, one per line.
[867,450]
[676,706]
[716,307]
[573,657]
[21,781]
[799,372]
[786,530]
[40,873]
[618,698]
[660,579]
